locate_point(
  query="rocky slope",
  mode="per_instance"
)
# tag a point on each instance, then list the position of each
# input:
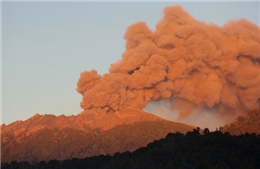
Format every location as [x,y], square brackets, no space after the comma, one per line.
[46,137]
[250,123]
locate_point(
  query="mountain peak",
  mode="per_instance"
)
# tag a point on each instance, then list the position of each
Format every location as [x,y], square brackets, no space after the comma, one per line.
[85,121]
[36,115]
[86,134]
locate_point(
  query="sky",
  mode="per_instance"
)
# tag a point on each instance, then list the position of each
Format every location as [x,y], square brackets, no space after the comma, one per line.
[46,45]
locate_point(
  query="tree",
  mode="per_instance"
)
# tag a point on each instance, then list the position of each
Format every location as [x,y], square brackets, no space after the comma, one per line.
[206,131]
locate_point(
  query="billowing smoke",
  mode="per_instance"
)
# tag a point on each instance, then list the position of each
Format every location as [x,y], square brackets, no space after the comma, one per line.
[188,63]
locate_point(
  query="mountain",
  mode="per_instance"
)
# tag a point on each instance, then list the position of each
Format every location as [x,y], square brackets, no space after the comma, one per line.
[46,137]
[250,123]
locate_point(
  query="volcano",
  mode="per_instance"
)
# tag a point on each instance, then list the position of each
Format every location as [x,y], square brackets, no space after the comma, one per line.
[46,137]
[194,66]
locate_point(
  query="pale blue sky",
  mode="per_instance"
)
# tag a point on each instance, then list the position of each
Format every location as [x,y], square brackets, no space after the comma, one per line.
[45,46]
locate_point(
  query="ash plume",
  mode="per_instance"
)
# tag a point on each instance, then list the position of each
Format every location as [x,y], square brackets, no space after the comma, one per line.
[191,64]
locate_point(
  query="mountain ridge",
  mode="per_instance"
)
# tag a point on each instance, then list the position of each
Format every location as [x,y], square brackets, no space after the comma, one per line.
[46,137]
[84,121]
[249,123]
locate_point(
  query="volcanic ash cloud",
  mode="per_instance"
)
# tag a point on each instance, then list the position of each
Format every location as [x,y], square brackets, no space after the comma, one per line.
[191,64]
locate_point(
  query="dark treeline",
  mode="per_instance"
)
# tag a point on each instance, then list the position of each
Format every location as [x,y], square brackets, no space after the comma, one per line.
[210,150]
